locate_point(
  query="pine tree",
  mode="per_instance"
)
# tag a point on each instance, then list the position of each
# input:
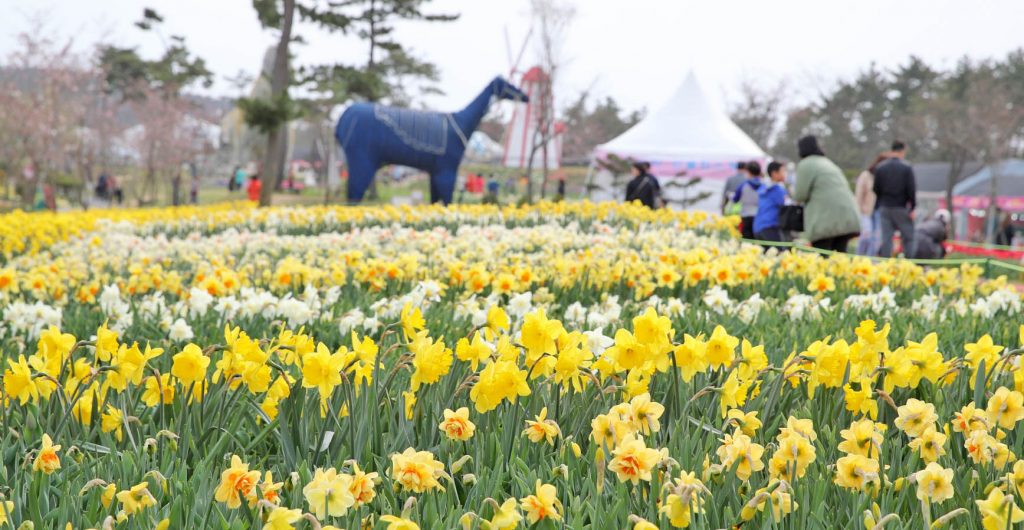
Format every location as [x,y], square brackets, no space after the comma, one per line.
[384,75]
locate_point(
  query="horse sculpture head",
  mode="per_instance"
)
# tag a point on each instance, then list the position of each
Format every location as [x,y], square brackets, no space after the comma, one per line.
[502,89]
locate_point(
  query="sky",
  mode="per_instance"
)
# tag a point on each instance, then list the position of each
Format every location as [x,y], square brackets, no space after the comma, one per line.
[637,51]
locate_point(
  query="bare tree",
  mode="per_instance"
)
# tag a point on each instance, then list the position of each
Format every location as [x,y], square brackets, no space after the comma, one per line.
[759,110]
[943,122]
[170,133]
[44,108]
[551,19]
[995,119]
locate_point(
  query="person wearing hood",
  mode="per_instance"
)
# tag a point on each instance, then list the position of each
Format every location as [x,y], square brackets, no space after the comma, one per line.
[644,187]
[830,211]
[746,196]
[731,185]
[770,199]
[930,235]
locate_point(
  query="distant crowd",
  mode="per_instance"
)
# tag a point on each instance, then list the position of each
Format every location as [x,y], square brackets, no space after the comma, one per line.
[819,204]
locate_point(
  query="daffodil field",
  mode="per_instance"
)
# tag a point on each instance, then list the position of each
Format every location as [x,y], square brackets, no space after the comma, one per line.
[569,365]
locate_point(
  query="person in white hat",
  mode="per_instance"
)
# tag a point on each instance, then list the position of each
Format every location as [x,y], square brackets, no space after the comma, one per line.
[930,234]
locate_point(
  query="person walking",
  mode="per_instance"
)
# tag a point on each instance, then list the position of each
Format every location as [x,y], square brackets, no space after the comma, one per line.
[644,187]
[867,243]
[1005,232]
[732,183]
[830,212]
[239,177]
[255,187]
[896,189]
[929,236]
[102,187]
[114,192]
[232,182]
[770,199]
[746,196]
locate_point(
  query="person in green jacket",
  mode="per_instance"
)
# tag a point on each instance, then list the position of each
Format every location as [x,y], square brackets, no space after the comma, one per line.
[830,211]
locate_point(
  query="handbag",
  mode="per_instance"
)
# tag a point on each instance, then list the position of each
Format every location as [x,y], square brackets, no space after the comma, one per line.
[791,217]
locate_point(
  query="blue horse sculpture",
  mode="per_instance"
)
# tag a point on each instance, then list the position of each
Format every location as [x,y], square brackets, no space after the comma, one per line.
[375,135]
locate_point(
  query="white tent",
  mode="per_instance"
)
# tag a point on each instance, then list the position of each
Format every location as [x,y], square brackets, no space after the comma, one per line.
[690,133]
[481,148]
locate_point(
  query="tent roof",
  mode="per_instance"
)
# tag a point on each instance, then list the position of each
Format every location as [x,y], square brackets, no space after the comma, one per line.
[688,127]
[933,176]
[1010,182]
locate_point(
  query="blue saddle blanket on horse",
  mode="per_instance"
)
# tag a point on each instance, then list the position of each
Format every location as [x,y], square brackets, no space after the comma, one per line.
[422,130]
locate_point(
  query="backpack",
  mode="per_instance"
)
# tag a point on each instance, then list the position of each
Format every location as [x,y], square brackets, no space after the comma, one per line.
[658,201]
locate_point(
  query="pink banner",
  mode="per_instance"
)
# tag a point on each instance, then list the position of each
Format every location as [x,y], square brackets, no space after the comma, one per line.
[715,170]
[1010,204]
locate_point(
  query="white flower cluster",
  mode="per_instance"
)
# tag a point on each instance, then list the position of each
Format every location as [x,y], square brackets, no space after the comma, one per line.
[421,296]
[800,306]
[117,310]
[881,302]
[1005,300]
[30,319]
[598,316]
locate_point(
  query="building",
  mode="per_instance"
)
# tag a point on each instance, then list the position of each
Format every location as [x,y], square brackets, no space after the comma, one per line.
[933,180]
[973,195]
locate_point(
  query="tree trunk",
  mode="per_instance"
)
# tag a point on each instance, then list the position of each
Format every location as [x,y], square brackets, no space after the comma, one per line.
[27,186]
[273,159]
[993,208]
[328,147]
[176,190]
[372,35]
[27,192]
[544,171]
[950,182]
[529,175]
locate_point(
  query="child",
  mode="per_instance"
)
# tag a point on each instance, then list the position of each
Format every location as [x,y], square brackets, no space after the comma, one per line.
[255,187]
[770,199]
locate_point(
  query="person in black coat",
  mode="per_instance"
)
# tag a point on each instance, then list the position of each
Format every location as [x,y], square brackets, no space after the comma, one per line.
[644,187]
[896,190]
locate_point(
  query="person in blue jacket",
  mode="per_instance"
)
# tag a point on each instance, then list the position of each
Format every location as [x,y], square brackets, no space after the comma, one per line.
[770,199]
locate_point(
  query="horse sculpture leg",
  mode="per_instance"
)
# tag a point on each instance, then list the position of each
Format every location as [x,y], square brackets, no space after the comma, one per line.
[442,186]
[361,170]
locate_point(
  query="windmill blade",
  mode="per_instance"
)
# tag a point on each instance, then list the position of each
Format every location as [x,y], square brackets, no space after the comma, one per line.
[508,54]
[522,52]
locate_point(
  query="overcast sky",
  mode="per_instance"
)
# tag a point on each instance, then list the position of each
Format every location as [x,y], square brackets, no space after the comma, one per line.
[637,51]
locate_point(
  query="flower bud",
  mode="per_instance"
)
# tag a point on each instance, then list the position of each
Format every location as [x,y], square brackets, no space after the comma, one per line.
[291,481]
[76,454]
[469,479]
[458,464]
[869,520]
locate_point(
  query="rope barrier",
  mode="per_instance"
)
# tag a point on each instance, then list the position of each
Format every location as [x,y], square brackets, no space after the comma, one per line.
[988,263]
[984,246]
